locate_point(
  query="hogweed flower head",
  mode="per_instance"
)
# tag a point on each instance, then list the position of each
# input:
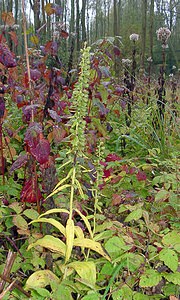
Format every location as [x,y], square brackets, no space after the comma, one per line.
[163,35]
[134,37]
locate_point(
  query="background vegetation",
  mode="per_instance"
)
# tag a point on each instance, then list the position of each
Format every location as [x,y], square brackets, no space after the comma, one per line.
[89,150]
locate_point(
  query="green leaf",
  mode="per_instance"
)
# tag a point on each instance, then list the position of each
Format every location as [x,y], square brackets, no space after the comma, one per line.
[90,244]
[86,270]
[170,258]
[69,238]
[43,292]
[172,277]
[134,215]
[34,39]
[161,195]
[31,213]
[51,243]
[63,180]
[150,278]
[20,222]
[86,222]
[171,239]
[17,207]
[41,279]
[62,293]
[55,211]
[93,296]
[125,293]
[53,222]
[116,246]
[138,296]
[63,187]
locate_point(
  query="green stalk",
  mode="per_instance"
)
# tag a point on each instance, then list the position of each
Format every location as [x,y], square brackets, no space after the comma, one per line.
[72,192]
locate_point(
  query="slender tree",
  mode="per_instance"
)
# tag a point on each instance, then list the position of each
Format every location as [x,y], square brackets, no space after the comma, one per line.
[143,37]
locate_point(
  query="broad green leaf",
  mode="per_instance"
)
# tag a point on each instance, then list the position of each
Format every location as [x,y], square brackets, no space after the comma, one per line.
[20,222]
[63,187]
[138,296]
[69,238]
[55,211]
[41,279]
[124,293]
[51,243]
[86,222]
[131,261]
[95,246]
[172,277]
[62,292]
[86,270]
[116,246]
[43,292]
[171,239]
[53,222]
[161,195]
[150,278]
[17,207]
[92,296]
[31,213]
[103,235]
[134,215]
[170,258]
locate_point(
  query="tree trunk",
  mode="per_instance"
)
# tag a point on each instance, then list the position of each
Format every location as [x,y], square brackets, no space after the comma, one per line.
[151,27]
[144,18]
[77,28]
[83,20]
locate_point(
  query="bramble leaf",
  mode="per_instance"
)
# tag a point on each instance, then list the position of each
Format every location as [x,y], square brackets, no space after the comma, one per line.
[170,258]
[134,215]
[150,278]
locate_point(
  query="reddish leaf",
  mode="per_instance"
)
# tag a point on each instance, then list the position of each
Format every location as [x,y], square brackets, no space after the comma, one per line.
[14,37]
[6,57]
[35,75]
[20,161]
[117,199]
[108,172]
[64,34]
[2,107]
[32,134]
[8,18]
[59,134]
[53,114]
[30,192]
[113,157]
[41,151]
[116,51]
[141,176]
[51,48]
[21,101]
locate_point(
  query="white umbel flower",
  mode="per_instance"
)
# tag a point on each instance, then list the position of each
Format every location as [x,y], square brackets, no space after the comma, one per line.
[134,37]
[163,35]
